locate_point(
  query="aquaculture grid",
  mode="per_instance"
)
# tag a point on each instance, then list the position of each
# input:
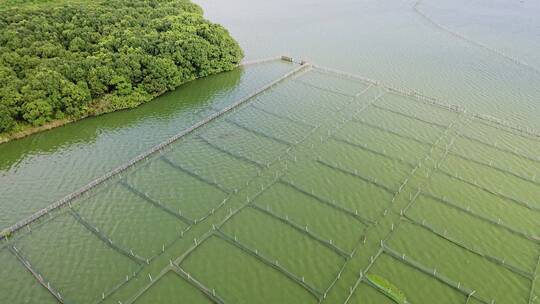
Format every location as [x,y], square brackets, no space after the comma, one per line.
[300,193]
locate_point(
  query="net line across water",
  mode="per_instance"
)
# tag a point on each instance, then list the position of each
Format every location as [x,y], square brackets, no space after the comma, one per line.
[430,101]
[42,281]
[443,235]
[303,229]
[274,264]
[458,35]
[412,198]
[433,273]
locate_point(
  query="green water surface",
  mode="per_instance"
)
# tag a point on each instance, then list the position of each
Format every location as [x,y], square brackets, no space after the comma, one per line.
[300,192]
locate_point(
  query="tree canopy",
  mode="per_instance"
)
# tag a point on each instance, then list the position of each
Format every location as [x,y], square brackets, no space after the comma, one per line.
[79,58]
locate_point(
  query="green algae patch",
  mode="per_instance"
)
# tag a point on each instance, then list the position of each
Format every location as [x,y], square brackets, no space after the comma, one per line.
[387,288]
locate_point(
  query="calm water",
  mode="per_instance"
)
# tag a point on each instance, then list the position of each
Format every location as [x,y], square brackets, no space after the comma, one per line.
[383,40]
[490,211]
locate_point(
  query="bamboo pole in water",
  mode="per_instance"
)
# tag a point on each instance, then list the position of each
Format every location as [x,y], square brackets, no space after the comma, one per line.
[502,149]
[496,168]
[502,124]
[497,223]
[433,273]
[210,293]
[372,261]
[42,281]
[492,192]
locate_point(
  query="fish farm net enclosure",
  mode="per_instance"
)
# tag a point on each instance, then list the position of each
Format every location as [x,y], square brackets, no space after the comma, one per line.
[319,187]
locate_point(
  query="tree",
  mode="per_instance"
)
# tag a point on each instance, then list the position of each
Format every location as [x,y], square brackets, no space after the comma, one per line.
[56,58]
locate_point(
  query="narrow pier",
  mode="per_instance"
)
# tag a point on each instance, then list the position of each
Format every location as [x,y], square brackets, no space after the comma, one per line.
[69,198]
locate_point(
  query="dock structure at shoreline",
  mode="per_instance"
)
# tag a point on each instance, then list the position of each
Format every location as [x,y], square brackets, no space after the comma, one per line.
[72,196]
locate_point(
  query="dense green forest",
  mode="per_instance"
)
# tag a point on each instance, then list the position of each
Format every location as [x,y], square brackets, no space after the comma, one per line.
[71,59]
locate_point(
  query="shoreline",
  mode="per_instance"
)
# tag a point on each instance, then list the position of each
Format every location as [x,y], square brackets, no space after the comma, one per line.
[9,231]
[29,130]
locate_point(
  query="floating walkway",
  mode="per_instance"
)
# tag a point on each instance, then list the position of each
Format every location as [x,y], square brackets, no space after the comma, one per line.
[361,276]
[192,171]
[532,297]
[69,198]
